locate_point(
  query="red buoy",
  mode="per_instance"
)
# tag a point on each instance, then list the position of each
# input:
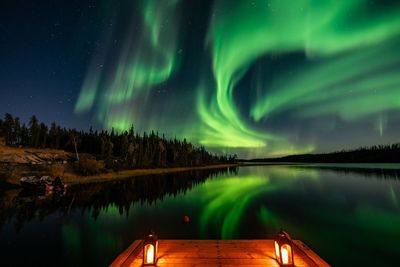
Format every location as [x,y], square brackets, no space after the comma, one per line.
[185,219]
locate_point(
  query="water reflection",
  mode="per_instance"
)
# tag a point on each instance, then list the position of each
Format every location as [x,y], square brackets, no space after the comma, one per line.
[339,212]
[226,200]
[24,206]
[379,171]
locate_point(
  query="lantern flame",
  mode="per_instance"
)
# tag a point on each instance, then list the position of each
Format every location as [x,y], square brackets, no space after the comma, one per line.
[285,256]
[277,250]
[149,253]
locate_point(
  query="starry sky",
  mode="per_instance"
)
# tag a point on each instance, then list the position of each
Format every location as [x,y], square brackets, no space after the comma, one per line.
[252,77]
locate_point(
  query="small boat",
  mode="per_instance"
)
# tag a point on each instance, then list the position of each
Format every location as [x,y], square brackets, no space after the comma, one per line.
[44,184]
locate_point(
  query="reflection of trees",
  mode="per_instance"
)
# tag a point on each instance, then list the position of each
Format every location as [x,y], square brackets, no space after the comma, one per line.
[15,204]
[368,172]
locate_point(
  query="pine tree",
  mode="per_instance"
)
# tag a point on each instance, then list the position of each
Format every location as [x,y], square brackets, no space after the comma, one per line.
[1,127]
[34,131]
[124,147]
[43,135]
[17,131]
[108,153]
[8,127]
[129,147]
[24,135]
[54,135]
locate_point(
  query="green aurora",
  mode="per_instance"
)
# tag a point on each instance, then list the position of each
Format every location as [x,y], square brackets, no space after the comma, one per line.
[270,78]
[142,63]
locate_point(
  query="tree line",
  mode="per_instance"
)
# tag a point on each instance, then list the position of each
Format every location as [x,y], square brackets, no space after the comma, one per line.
[129,149]
[368,154]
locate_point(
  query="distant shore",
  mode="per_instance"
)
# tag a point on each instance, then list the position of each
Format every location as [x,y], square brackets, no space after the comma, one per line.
[389,153]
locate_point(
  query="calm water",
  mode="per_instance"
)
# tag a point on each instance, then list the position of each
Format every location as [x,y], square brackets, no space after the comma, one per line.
[348,216]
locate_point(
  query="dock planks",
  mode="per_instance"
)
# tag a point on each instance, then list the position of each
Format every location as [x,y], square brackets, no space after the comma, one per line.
[222,253]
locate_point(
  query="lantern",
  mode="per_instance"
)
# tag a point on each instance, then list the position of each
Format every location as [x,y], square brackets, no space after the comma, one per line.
[284,249]
[150,249]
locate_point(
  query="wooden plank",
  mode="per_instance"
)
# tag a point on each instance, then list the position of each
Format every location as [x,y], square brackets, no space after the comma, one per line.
[135,246]
[310,254]
[224,253]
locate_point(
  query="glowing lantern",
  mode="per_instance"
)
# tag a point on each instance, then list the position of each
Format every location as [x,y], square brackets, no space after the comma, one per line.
[150,248]
[284,249]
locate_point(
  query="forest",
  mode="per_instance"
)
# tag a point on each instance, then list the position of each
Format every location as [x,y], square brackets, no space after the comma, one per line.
[122,150]
[369,154]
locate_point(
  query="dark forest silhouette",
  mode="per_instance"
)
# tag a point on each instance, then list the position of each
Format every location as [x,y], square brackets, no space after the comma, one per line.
[372,154]
[127,149]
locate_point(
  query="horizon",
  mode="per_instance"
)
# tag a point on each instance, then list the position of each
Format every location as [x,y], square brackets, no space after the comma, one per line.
[216,73]
[121,132]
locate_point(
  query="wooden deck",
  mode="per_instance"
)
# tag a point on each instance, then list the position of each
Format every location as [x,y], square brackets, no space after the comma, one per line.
[208,253]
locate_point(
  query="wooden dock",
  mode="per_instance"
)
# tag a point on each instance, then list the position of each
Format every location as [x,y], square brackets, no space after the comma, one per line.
[208,253]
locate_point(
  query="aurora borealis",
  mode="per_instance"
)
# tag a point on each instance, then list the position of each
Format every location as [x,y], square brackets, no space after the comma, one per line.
[257,78]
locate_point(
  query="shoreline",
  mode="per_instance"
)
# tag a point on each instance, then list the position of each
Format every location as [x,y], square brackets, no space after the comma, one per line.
[73,179]
[19,162]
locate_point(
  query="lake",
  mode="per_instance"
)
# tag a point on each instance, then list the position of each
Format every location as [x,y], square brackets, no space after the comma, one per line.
[348,214]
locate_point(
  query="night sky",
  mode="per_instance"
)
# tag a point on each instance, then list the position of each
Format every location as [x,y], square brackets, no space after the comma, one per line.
[253,77]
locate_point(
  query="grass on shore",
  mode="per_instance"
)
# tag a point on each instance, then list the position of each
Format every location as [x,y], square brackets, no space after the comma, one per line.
[14,165]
